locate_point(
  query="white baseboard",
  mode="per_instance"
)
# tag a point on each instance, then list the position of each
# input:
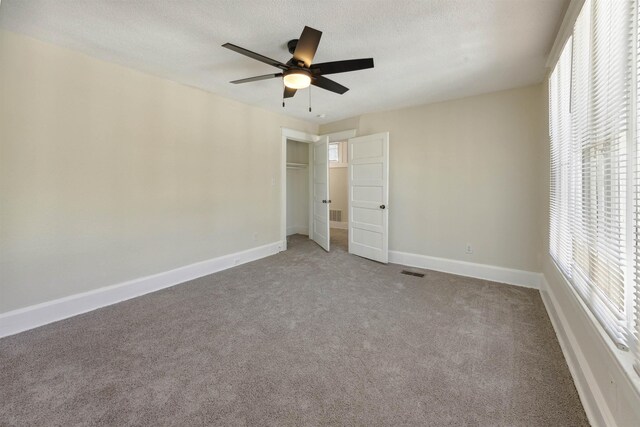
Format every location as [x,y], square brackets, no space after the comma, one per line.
[510,276]
[33,316]
[339,225]
[583,379]
[297,229]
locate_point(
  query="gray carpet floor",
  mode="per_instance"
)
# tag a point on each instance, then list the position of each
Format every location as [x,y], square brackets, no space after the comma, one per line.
[300,338]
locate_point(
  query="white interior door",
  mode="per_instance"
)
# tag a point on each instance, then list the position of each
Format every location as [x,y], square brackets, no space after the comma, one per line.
[321,193]
[369,196]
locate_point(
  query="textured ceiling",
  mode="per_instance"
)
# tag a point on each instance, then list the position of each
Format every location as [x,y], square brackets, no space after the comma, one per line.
[424,51]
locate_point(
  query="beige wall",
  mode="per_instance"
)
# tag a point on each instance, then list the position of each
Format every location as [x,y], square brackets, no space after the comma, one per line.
[346,124]
[108,174]
[464,171]
[338,191]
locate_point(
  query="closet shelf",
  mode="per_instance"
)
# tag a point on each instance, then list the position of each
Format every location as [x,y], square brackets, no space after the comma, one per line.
[291,165]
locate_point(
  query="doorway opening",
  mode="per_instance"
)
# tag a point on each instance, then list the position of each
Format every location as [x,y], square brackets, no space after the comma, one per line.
[303,152]
[365,162]
[297,186]
[297,168]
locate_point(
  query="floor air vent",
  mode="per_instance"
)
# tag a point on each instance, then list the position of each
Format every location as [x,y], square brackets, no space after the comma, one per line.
[412,273]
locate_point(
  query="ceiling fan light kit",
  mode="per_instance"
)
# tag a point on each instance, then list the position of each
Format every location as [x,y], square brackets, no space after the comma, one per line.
[297,79]
[299,72]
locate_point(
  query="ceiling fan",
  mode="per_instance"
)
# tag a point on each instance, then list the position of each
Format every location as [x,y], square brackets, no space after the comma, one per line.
[299,72]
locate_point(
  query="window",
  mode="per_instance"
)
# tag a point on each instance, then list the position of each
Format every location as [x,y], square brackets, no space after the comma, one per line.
[591,108]
[334,152]
[338,154]
[560,134]
[636,199]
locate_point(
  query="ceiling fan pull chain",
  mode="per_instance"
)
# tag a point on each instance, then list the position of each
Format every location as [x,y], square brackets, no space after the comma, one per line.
[309,98]
[283,89]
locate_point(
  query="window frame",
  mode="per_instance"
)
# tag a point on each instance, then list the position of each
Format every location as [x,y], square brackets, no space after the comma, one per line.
[342,155]
[613,313]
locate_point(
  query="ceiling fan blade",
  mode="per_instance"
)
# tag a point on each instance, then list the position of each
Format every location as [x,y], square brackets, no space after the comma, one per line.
[342,66]
[328,84]
[288,92]
[256,78]
[307,45]
[256,56]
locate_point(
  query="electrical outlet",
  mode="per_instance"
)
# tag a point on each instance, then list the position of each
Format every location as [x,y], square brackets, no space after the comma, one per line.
[468,249]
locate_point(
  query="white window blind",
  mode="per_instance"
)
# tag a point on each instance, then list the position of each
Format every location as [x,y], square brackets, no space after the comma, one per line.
[636,200]
[600,94]
[590,229]
[560,134]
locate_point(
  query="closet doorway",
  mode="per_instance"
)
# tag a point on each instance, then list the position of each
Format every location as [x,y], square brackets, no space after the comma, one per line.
[313,171]
[301,164]
[305,158]
[298,188]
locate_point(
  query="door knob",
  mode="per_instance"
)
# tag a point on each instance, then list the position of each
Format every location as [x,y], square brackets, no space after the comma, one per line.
[329,201]
[324,201]
[382,206]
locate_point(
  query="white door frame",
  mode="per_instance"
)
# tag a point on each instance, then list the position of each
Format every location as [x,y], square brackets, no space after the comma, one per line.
[308,138]
[341,136]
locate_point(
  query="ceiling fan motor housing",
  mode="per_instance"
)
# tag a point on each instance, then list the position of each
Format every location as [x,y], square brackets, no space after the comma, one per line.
[291,45]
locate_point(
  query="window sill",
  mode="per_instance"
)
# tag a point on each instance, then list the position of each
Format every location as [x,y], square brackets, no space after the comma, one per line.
[624,359]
